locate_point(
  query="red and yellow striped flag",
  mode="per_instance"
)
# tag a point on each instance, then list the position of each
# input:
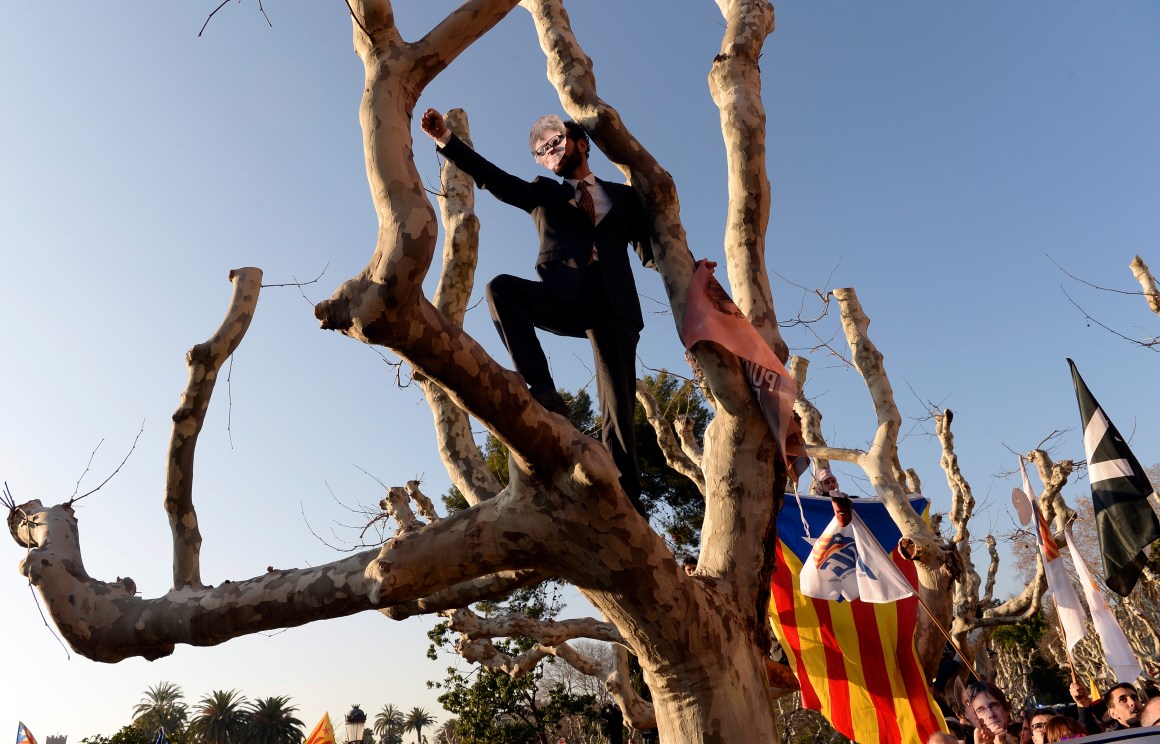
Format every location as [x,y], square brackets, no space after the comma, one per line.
[323,733]
[855,661]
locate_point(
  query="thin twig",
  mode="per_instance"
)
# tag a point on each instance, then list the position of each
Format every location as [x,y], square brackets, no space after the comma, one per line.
[664,308]
[1151,344]
[261,10]
[43,619]
[1052,435]
[318,537]
[397,365]
[1084,281]
[92,454]
[106,480]
[297,283]
[211,15]
[230,402]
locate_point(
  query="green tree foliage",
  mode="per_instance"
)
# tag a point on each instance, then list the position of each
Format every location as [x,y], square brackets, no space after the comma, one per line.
[219,718]
[417,720]
[494,707]
[447,732]
[675,502]
[1048,681]
[162,707]
[389,725]
[271,721]
[672,498]
[132,734]
[495,454]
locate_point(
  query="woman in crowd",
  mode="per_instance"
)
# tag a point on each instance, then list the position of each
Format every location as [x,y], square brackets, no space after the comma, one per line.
[1062,728]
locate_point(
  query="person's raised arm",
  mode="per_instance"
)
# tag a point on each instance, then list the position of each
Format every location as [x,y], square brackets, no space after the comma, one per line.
[435,126]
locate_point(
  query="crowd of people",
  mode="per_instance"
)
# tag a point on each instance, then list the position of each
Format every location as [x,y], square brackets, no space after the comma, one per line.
[981,714]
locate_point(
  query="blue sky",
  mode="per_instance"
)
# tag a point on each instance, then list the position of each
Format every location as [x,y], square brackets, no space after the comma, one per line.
[929,155]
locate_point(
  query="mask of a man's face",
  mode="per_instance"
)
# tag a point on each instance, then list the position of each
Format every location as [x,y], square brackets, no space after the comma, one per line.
[552,144]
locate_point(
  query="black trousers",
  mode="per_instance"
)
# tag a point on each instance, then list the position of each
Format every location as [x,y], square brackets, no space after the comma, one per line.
[520,306]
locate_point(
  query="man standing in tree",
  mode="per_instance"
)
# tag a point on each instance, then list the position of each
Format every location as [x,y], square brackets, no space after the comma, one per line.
[586,288]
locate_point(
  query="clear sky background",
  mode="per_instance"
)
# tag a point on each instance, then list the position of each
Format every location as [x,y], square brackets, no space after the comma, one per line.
[929,154]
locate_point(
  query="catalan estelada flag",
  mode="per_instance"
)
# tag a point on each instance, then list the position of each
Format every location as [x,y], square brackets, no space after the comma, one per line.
[855,660]
[323,733]
[23,735]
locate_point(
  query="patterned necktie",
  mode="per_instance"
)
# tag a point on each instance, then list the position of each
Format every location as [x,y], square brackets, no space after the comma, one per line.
[584,199]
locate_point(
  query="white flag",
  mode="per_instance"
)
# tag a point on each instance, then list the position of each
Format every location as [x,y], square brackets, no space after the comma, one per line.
[1071,614]
[848,563]
[1117,651]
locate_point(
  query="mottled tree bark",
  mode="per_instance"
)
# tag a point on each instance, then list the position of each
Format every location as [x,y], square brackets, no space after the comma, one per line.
[1147,283]
[701,640]
[457,448]
[204,362]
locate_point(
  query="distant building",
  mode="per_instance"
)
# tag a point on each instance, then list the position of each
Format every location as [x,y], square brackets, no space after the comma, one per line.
[55,740]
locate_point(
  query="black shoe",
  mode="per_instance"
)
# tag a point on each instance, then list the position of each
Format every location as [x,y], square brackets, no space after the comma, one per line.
[551,400]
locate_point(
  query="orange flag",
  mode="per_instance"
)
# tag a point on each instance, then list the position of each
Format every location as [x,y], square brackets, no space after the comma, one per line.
[710,315]
[323,733]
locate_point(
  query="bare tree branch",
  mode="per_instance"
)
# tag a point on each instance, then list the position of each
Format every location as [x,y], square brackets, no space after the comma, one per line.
[204,362]
[1147,283]
[675,456]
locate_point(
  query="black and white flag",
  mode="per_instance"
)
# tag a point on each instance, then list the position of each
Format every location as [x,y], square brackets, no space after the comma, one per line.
[1125,521]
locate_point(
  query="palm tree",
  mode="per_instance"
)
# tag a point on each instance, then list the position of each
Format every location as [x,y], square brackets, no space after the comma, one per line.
[162,707]
[271,721]
[389,724]
[446,733]
[416,720]
[219,718]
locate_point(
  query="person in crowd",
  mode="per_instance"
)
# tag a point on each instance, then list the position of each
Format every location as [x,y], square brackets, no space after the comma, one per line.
[1062,728]
[958,730]
[1151,713]
[962,707]
[1090,713]
[942,737]
[1119,708]
[1038,724]
[690,565]
[994,714]
[1123,705]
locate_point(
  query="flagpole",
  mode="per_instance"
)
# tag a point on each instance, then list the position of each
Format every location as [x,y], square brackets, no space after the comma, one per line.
[1063,637]
[947,635]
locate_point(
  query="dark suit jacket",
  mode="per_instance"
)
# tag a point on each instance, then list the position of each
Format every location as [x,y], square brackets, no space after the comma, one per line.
[566,234]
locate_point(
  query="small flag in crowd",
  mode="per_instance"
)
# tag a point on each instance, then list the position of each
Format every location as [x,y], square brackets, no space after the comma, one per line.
[1117,651]
[323,733]
[855,660]
[1125,521]
[23,735]
[710,315]
[1067,606]
[161,738]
